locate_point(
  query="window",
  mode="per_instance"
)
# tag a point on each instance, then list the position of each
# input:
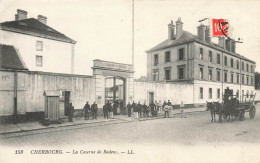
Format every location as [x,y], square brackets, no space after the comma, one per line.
[218,58]
[210,74]
[231,63]
[201,73]
[225,60]
[242,65]
[155,75]
[225,76]
[232,78]
[252,69]
[181,72]
[247,93]
[167,74]
[252,83]
[39,46]
[155,59]
[218,93]
[201,93]
[237,78]
[247,80]
[201,53]
[210,93]
[181,54]
[168,56]
[243,79]
[38,60]
[247,68]
[237,94]
[237,64]
[218,75]
[243,93]
[210,56]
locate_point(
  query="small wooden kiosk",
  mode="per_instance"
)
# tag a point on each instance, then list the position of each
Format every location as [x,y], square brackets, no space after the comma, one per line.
[52,105]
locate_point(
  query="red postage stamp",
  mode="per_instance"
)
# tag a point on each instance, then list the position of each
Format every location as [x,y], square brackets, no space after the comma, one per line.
[220,27]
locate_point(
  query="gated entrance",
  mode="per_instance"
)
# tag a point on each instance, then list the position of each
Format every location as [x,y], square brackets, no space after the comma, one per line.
[113,81]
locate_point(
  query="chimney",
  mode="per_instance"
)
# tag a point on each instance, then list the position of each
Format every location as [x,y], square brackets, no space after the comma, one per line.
[228,44]
[207,35]
[201,32]
[21,14]
[42,19]
[171,31]
[233,46]
[179,31]
[221,42]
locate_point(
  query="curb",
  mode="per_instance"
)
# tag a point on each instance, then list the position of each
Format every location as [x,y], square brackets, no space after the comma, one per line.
[79,124]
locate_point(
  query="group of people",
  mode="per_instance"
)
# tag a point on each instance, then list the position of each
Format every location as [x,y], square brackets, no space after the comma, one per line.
[88,110]
[139,110]
[151,110]
[111,109]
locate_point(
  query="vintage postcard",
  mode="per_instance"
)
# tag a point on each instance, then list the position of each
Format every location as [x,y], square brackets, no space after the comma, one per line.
[129,81]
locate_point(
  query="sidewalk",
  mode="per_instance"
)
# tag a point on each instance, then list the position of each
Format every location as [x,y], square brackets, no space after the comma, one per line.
[32,126]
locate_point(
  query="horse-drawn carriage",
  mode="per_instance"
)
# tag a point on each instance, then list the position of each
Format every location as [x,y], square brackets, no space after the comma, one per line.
[231,107]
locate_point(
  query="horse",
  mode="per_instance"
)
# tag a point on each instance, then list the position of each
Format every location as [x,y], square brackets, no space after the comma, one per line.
[212,108]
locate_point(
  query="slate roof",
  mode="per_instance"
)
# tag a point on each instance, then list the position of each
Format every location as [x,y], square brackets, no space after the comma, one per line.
[34,27]
[10,59]
[188,37]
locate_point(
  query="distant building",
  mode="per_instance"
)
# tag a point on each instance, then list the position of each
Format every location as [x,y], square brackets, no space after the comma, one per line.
[257,81]
[209,67]
[41,47]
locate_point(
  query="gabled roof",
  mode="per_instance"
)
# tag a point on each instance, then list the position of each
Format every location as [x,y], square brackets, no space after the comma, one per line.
[34,27]
[185,37]
[10,58]
[188,37]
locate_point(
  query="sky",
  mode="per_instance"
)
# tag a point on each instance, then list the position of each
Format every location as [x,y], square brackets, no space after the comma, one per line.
[103,28]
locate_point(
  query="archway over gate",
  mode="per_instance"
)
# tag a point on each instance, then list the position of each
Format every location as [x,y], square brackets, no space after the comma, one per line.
[105,70]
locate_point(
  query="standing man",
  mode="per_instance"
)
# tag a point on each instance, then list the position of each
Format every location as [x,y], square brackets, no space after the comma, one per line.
[94,110]
[71,112]
[135,109]
[145,110]
[152,106]
[159,107]
[111,111]
[139,109]
[129,106]
[121,107]
[86,110]
[105,110]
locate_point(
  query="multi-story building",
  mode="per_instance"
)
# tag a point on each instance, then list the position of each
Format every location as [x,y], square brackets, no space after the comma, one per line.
[196,60]
[41,47]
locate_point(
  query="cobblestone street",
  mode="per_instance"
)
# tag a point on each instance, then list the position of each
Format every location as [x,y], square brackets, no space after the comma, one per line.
[195,129]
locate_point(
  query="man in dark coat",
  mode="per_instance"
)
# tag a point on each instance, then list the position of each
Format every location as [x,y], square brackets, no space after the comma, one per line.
[135,109]
[139,109]
[71,112]
[152,106]
[129,107]
[105,110]
[145,110]
[121,106]
[86,110]
[94,110]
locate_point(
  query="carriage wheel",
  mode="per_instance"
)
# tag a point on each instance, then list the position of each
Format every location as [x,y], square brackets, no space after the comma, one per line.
[225,115]
[241,115]
[79,115]
[252,112]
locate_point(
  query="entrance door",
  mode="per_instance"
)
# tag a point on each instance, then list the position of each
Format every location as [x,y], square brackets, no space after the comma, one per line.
[53,108]
[151,97]
[66,102]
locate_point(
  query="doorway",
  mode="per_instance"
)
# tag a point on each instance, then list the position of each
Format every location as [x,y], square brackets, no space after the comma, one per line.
[66,102]
[151,97]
